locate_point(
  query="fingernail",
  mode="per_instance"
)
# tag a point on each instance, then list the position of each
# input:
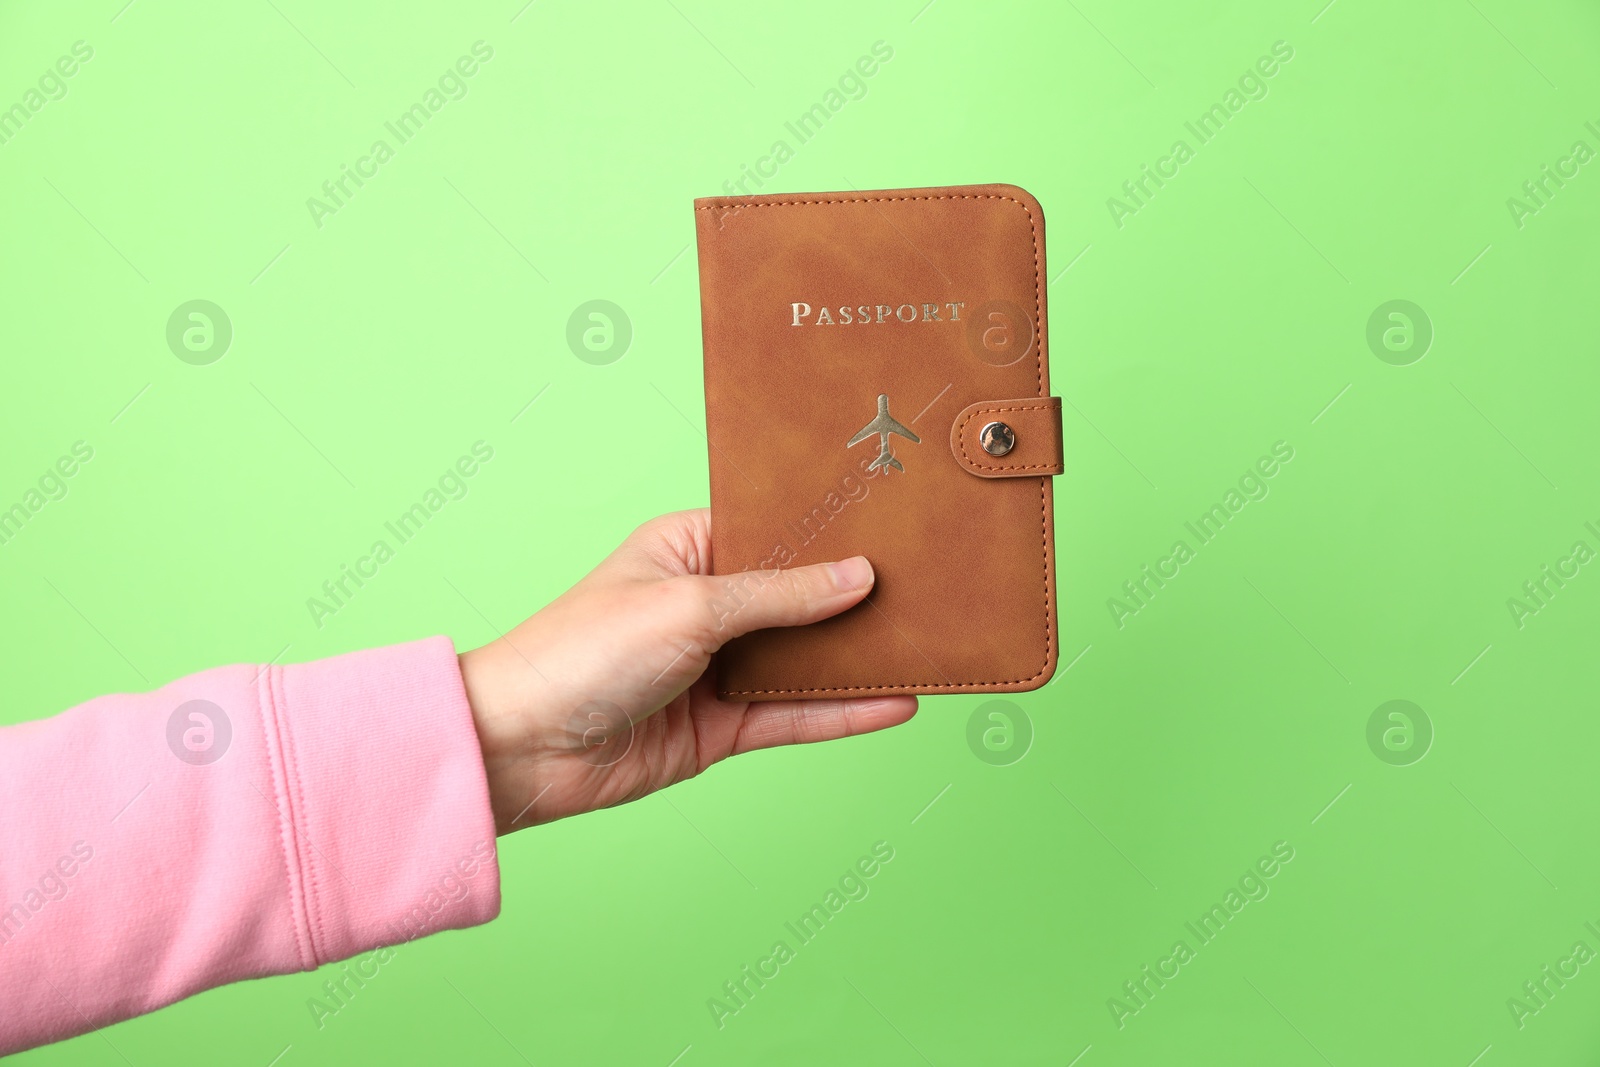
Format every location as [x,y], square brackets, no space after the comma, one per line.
[851,574]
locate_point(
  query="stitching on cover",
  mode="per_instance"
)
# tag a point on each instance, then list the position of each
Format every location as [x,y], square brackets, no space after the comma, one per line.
[1044,514]
[961,436]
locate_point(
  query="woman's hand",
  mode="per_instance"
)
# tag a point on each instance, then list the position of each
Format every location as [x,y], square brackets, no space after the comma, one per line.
[603,696]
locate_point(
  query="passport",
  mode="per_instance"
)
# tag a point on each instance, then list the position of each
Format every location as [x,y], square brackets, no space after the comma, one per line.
[877,383]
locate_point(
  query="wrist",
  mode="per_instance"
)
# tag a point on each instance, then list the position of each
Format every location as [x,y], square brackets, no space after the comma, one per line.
[495,724]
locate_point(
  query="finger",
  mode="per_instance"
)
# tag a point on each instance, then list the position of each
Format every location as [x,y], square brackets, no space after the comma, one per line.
[675,543]
[752,600]
[801,722]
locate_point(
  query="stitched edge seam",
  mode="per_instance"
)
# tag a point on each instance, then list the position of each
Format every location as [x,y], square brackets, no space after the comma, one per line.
[1044,483]
[310,877]
[881,200]
[272,741]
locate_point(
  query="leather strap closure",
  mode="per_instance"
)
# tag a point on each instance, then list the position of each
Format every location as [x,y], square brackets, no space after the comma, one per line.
[1032,426]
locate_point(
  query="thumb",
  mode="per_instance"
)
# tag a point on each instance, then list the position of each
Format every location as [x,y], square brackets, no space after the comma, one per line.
[753,600]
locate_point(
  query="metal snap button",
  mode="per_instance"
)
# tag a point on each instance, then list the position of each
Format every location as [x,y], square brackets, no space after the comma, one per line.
[997,438]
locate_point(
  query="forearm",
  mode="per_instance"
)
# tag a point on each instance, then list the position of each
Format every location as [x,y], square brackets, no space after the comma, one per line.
[311,812]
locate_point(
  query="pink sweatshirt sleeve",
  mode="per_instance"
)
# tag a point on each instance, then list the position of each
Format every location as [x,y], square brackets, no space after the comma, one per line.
[237,823]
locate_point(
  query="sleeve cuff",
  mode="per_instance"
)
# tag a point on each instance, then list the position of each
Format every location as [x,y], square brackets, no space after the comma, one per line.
[382,800]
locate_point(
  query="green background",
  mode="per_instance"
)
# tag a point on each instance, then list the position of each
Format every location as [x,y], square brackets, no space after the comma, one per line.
[1228,313]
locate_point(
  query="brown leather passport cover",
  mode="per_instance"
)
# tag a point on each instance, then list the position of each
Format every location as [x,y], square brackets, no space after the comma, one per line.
[860,349]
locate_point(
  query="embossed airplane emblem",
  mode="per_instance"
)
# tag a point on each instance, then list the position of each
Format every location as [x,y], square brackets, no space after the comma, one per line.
[883,426]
